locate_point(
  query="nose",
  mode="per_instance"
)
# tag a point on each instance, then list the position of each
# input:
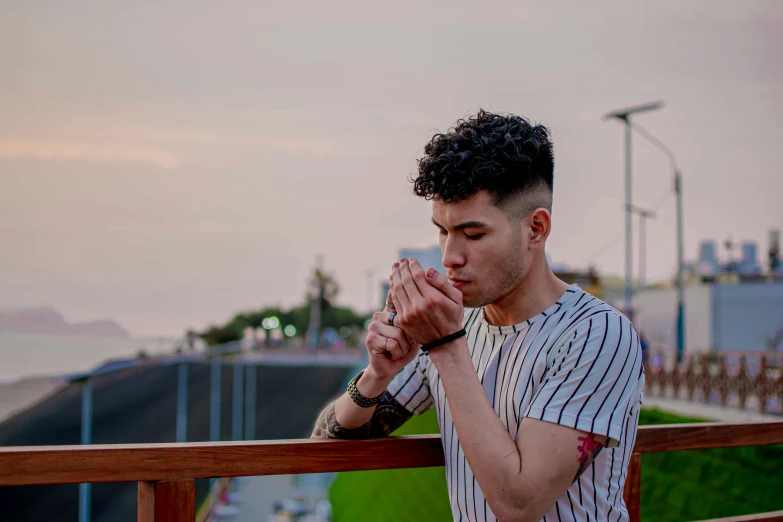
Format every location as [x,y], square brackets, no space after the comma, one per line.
[452,255]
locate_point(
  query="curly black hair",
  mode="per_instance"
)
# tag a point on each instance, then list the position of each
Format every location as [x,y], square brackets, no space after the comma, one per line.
[503,154]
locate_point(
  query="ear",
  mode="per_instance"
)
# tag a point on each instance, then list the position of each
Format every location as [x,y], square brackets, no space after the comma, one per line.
[540,225]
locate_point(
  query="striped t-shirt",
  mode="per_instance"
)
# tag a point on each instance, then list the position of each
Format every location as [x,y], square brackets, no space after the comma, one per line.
[578,364]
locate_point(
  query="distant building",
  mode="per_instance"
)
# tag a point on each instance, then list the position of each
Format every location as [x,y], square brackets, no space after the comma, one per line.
[709,268]
[718,316]
[588,280]
[432,257]
[427,258]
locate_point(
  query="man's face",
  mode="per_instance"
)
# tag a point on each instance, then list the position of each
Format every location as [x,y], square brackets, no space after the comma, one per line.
[484,252]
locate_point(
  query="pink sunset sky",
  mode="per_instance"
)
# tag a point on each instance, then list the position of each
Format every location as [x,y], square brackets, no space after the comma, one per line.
[166,164]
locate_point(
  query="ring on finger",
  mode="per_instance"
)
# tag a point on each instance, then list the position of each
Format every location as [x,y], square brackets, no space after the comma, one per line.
[391,318]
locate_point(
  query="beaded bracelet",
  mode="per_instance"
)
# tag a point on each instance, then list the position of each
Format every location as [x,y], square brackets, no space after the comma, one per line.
[358,398]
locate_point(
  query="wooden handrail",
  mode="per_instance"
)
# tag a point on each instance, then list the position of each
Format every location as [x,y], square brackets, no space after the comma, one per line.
[35,465]
[773,516]
[165,471]
[31,465]
[680,437]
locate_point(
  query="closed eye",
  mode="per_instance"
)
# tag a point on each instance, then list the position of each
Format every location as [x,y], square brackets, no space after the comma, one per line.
[475,237]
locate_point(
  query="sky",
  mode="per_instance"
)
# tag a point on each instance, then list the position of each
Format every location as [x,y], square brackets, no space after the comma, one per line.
[168,163]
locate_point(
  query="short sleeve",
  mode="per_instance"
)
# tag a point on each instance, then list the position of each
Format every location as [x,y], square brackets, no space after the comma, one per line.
[411,388]
[594,378]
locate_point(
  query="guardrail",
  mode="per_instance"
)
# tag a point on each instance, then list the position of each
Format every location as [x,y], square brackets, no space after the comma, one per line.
[166,472]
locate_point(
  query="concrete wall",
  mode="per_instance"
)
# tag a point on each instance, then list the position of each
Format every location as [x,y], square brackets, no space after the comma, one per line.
[733,317]
[746,317]
[656,317]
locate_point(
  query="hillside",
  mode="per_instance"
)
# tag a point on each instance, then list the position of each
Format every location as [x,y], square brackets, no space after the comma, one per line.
[49,321]
[138,405]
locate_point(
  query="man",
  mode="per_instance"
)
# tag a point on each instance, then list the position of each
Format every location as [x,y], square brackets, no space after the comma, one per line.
[537,384]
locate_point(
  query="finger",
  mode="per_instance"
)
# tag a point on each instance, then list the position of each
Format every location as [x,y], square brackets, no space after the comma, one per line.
[395,299]
[380,344]
[389,303]
[375,343]
[383,318]
[413,291]
[437,280]
[417,272]
[392,332]
[401,301]
[393,348]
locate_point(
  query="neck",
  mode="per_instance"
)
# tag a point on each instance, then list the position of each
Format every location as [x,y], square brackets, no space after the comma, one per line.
[536,291]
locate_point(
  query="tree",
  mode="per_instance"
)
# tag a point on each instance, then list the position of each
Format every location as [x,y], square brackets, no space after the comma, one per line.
[318,312]
[323,290]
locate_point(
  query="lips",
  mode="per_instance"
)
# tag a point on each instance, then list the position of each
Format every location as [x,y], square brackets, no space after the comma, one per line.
[458,283]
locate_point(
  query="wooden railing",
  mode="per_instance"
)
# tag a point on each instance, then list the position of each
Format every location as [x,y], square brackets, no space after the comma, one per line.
[166,472]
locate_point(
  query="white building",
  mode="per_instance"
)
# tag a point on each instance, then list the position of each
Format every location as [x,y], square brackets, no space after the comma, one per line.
[730,317]
[427,257]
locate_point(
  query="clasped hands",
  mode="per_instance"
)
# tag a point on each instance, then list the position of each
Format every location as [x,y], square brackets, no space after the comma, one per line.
[427,308]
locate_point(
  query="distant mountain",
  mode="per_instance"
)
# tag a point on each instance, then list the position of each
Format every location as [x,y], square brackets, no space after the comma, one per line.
[49,321]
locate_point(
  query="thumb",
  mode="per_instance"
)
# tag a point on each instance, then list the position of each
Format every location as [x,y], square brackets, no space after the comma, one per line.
[437,280]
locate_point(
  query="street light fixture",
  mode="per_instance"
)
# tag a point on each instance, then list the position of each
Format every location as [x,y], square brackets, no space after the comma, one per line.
[624,115]
[680,283]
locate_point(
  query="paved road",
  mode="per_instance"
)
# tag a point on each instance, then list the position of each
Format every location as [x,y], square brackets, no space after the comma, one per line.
[259,494]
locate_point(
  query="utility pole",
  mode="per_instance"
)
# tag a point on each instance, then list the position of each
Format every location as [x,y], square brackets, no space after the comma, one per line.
[644,215]
[624,115]
[680,282]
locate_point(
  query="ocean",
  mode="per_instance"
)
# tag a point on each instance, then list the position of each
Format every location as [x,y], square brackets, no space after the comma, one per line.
[30,355]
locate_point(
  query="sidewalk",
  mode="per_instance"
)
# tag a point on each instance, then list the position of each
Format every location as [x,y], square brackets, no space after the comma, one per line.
[707,411]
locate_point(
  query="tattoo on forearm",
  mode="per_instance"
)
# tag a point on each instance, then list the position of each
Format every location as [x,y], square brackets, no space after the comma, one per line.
[327,427]
[588,451]
[388,416]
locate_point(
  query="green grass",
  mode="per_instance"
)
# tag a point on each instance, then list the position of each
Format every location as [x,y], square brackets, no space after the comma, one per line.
[697,485]
[680,486]
[394,494]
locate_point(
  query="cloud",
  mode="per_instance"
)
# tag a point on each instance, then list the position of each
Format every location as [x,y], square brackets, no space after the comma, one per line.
[297,143]
[86,152]
[155,135]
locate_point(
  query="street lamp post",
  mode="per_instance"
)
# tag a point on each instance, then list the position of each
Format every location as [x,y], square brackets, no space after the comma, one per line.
[624,115]
[680,282]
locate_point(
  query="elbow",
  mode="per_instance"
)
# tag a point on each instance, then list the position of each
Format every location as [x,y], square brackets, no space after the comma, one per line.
[508,508]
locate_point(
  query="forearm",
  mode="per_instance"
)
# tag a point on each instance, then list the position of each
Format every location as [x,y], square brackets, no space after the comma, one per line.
[343,418]
[492,454]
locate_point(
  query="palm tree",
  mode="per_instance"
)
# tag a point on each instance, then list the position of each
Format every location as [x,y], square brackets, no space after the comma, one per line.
[323,290]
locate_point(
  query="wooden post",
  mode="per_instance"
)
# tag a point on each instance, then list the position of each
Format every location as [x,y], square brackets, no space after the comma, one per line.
[146,505]
[168,501]
[632,493]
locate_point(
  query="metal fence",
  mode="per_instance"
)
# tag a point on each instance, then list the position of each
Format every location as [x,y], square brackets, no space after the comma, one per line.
[745,380]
